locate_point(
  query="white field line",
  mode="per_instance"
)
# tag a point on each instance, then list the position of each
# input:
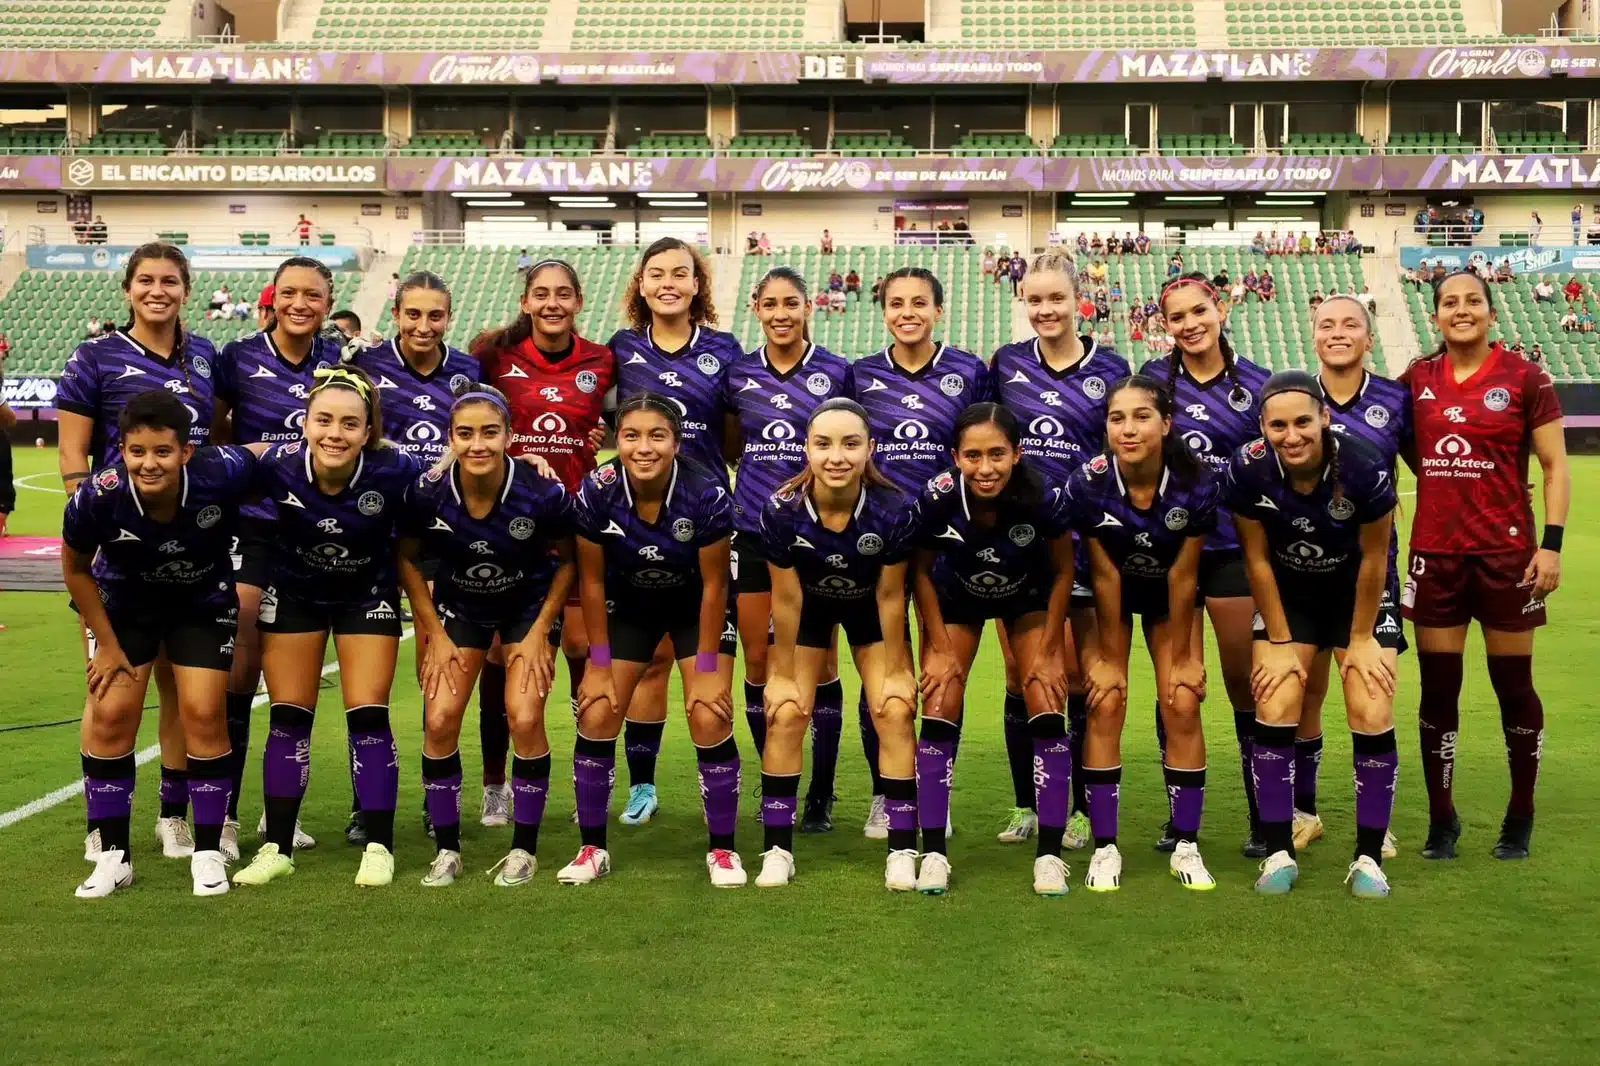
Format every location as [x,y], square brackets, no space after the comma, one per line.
[22,483]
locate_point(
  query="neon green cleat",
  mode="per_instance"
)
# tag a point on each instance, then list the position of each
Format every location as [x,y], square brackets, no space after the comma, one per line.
[377,867]
[268,865]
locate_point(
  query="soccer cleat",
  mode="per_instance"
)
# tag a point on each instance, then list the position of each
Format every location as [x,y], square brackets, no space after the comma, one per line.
[933,879]
[177,842]
[91,845]
[1279,872]
[818,815]
[1516,834]
[303,841]
[496,806]
[1077,836]
[1307,828]
[1169,839]
[1050,876]
[230,840]
[949,825]
[900,871]
[777,868]
[355,830]
[112,872]
[1105,870]
[591,864]
[1391,846]
[642,805]
[427,824]
[877,827]
[1190,870]
[209,872]
[1442,837]
[725,868]
[755,794]
[1366,879]
[1254,847]
[1020,826]
[515,870]
[444,871]
[377,867]
[269,864]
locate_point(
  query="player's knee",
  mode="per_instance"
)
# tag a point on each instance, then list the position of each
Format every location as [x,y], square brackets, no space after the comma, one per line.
[790,718]
[950,707]
[1282,707]
[440,720]
[1107,716]
[755,663]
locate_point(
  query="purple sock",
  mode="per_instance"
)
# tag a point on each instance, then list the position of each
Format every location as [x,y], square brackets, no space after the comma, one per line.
[778,805]
[719,789]
[827,726]
[936,772]
[1103,791]
[210,790]
[594,774]
[1272,778]
[108,788]
[1052,770]
[1186,795]
[900,804]
[286,756]
[530,788]
[441,794]
[1307,761]
[374,761]
[174,792]
[1377,770]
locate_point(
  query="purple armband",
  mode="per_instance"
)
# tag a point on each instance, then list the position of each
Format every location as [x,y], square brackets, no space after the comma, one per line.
[600,654]
[705,662]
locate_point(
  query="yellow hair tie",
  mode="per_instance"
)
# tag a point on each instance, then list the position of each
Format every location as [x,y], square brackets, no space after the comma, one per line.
[338,375]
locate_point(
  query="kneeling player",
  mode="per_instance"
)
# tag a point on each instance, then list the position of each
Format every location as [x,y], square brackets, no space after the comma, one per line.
[145,558]
[493,524]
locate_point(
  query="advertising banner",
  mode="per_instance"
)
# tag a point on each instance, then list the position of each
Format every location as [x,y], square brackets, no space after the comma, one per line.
[30,393]
[210,173]
[203,257]
[1492,172]
[30,172]
[1522,260]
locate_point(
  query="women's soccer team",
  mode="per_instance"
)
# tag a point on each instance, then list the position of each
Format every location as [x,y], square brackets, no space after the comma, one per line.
[231,510]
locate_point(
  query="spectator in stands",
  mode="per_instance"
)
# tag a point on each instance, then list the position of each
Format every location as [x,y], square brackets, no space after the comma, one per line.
[524,263]
[1574,289]
[1502,272]
[1252,282]
[836,282]
[1585,321]
[988,264]
[1481,267]
[97,230]
[1151,308]
[827,243]
[1316,299]
[1516,349]
[1116,292]
[218,299]
[1269,288]
[1274,244]
[765,244]
[1085,311]
[1569,320]
[1129,244]
[394,288]
[1321,244]
[1544,292]
[822,302]
[1141,244]
[93,330]
[1438,274]
[1577,223]
[1221,281]
[1304,246]
[1367,300]
[1422,222]
[347,322]
[752,244]
[1102,307]
[1535,224]
[1019,267]
[1291,244]
[302,230]
[1536,355]
[241,309]
[1258,244]
[1098,274]
[1175,266]
[962,231]
[877,289]
[1475,220]
[852,284]
[1096,245]
[836,301]
[1083,246]
[264,306]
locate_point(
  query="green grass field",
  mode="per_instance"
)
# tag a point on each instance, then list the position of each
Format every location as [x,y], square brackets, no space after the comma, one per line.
[1470,962]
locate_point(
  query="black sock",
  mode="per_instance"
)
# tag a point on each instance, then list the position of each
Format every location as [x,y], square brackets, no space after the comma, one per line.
[903,789]
[755,715]
[177,781]
[642,742]
[494,732]
[525,835]
[239,705]
[1019,750]
[869,743]
[1078,729]
[1307,761]
[825,744]
[115,833]
[1244,730]
[282,812]
[446,837]
[1161,731]
[779,786]
[210,775]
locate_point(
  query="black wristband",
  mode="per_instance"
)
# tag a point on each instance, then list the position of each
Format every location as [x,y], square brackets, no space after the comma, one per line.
[1552,538]
[77,476]
[1280,643]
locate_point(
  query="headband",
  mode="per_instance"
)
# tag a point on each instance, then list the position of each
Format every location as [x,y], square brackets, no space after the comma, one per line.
[1204,286]
[480,396]
[327,376]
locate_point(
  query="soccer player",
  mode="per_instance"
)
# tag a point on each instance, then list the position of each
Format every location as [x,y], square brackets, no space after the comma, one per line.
[262,384]
[1214,411]
[1377,410]
[1479,411]
[771,394]
[837,538]
[145,558]
[995,542]
[338,494]
[557,386]
[501,533]
[1056,385]
[913,391]
[151,351]
[1146,505]
[671,349]
[1315,510]
[653,529]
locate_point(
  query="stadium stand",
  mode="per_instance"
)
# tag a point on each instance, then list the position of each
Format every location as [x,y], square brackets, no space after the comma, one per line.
[1573,356]
[32,141]
[884,144]
[464,144]
[260,142]
[1314,22]
[672,144]
[995,144]
[560,144]
[1097,23]
[1198,144]
[1092,144]
[123,142]
[70,23]
[1326,144]
[336,144]
[691,24]
[1428,144]
[424,23]
[780,144]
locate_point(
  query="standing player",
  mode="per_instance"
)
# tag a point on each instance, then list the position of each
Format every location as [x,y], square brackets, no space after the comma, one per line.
[557,385]
[145,557]
[1315,510]
[338,494]
[1056,385]
[262,384]
[1214,411]
[837,537]
[1147,506]
[771,393]
[501,533]
[670,349]
[913,391]
[995,543]
[1479,411]
[151,352]
[1376,410]
[653,534]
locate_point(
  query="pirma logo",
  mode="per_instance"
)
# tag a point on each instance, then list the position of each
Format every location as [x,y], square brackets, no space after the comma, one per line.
[1453,445]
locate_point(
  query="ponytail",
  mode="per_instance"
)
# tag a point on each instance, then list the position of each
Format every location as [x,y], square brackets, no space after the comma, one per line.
[519,329]
[1176,455]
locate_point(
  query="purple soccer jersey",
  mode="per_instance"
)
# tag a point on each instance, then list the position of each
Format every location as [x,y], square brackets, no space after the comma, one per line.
[913,415]
[772,410]
[1063,414]
[1215,419]
[644,559]
[841,566]
[142,565]
[995,563]
[494,567]
[1380,414]
[416,407]
[693,377]
[267,394]
[107,372]
[334,550]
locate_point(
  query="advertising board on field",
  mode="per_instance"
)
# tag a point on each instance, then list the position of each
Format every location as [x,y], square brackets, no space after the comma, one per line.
[106,257]
[29,393]
[1522,260]
[210,173]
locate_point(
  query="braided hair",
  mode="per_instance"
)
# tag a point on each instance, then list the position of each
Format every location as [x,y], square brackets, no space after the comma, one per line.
[1176,454]
[1301,381]
[167,253]
[1197,279]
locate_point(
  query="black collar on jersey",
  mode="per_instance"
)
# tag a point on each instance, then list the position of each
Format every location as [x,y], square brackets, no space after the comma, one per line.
[1090,347]
[785,375]
[888,357]
[311,353]
[406,367]
[1366,376]
[1327,467]
[455,480]
[694,342]
[861,503]
[1184,371]
[361,463]
[666,501]
[183,490]
[1122,490]
[151,353]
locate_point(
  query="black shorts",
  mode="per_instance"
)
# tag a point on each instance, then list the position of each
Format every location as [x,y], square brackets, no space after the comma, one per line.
[480,635]
[859,619]
[201,638]
[374,615]
[252,552]
[1222,575]
[636,629]
[962,609]
[750,573]
[1146,597]
[1082,591]
[428,565]
[1321,617]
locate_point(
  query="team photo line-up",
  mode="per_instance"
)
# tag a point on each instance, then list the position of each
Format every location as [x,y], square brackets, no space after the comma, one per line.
[229,510]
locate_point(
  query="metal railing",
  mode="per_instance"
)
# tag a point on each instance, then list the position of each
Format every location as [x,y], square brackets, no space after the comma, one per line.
[1461,235]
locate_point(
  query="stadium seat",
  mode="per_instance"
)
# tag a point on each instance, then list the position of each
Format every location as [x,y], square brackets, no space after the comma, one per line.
[411,24]
[1096,23]
[1252,24]
[70,23]
[690,24]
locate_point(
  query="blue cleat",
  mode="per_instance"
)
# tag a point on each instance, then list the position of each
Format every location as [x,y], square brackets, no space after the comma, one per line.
[1279,872]
[642,805]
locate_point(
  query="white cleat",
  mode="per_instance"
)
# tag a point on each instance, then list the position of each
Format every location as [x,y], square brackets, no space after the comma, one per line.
[515,870]
[1279,872]
[1050,876]
[112,872]
[230,840]
[591,864]
[900,872]
[303,841]
[1021,826]
[1190,870]
[933,879]
[496,806]
[91,845]
[725,869]
[1105,870]
[444,871]
[177,842]
[209,871]
[1307,828]
[1391,846]
[777,868]
[1367,879]
[877,827]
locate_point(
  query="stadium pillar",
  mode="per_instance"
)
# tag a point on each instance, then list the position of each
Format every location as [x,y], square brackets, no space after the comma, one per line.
[720,121]
[1041,218]
[81,113]
[397,114]
[722,210]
